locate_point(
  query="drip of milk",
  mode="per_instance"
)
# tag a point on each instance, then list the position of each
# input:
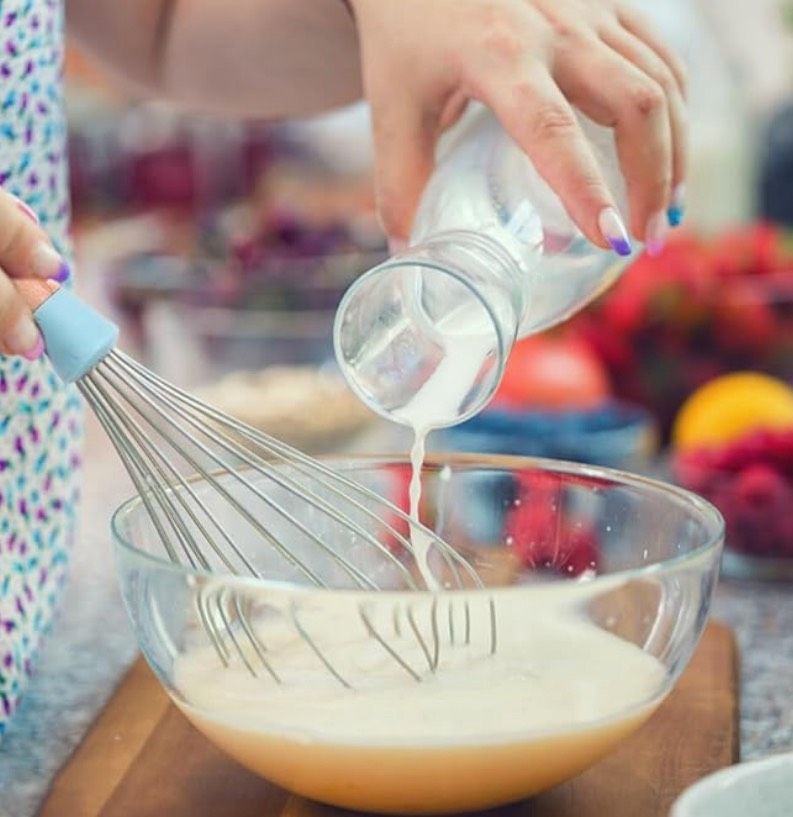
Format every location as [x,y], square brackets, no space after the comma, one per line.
[418,537]
[467,339]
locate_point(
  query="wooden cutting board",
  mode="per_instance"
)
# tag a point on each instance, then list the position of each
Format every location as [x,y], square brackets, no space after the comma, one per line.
[142,758]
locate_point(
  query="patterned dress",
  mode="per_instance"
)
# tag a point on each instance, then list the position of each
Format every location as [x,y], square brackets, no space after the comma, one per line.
[40,419]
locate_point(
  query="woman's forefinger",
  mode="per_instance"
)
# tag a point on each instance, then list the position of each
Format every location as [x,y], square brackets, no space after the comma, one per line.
[535,113]
[25,249]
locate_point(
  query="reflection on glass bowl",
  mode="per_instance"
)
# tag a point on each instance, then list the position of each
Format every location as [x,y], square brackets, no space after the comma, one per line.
[499,692]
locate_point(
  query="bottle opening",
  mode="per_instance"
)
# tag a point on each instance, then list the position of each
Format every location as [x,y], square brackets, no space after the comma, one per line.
[419,344]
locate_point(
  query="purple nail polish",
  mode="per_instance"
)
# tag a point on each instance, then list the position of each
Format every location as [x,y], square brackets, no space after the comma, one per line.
[620,246]
[63,273]
[36,352]
[613,230]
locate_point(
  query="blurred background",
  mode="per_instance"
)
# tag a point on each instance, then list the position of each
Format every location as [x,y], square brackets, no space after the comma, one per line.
[223,248]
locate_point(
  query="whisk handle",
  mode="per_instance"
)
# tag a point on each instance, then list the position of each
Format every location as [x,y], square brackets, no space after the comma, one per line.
[75,336]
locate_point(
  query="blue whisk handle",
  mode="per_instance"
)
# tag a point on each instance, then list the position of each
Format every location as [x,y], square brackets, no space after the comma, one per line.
[75,336]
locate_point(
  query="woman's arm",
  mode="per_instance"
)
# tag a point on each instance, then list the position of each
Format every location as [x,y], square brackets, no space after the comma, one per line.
[257,58]
[531,61]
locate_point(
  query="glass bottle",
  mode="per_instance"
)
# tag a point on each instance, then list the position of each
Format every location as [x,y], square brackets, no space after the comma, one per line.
[424,337]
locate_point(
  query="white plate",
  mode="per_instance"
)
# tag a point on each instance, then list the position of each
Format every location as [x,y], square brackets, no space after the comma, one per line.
[762,788]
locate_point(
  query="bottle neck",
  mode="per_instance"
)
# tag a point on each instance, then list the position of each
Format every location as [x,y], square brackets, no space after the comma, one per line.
[485,266]
[424,338]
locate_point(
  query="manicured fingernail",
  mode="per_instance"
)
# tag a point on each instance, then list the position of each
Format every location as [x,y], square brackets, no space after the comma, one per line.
[677,208]
[37,351]
[63,273]
[397,245]
[46,262]
[613,229]
[23,338]
[25,208]
[656,232]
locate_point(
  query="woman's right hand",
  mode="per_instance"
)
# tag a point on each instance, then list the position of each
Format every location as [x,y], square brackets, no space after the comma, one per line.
[25,252]
[532,62]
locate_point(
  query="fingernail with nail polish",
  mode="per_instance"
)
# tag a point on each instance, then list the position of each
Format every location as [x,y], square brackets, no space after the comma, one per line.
[677,208]
[37,351]
[655,233]
[613,229]
[63,273]
[23,338]
[46,262]
[27,210]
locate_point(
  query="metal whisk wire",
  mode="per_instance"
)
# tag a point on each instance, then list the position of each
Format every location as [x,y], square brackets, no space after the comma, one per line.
[131,402]
[176,447]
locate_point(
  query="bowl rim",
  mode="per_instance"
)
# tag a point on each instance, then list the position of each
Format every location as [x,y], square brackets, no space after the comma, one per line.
[713,519]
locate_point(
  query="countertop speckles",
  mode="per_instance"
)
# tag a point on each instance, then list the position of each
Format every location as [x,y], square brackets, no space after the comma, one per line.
[92,644]
[762,617]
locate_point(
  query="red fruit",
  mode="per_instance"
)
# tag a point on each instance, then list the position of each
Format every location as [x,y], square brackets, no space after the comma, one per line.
[722,496]
[694,472]
[744,324]
[760,486]
[583,552]
[552,373]
[565,549]
[614,349]
[781,450]
[628,313]
[757,447]
[755,249]
[396,525]
[541,533]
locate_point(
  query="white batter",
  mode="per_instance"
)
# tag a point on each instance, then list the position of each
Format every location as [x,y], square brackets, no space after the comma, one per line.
[558,694]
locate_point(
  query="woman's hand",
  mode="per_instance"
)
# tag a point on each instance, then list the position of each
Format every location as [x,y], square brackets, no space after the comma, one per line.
[530,61]
[25,252]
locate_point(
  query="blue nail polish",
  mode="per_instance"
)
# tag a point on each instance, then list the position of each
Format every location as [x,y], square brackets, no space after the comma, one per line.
[675,216]
[63,273]
[620,246]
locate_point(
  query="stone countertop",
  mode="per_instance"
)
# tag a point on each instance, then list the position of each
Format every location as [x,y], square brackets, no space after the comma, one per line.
[92,644]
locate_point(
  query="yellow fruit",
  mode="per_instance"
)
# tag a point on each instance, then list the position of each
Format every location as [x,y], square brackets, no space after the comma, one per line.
[730,406]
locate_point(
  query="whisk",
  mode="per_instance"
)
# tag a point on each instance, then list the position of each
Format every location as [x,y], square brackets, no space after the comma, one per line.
[209,482]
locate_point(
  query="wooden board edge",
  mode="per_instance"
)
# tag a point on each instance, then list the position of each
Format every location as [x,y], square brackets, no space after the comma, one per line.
[108,747]
[728,635]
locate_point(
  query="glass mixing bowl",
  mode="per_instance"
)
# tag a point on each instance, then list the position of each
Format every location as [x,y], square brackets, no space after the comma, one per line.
[595,587]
